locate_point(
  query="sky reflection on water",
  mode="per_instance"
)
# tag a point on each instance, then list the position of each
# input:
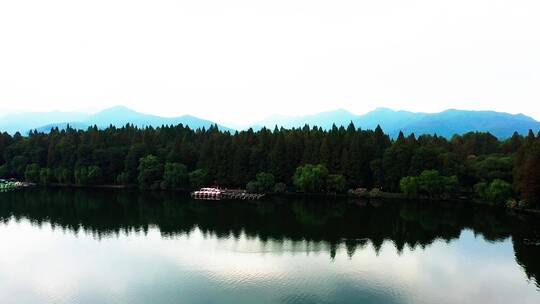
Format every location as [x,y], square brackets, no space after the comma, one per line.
[66,246]
[44,265]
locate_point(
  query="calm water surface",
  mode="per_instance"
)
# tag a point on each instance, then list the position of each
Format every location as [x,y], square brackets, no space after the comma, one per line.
[67,246]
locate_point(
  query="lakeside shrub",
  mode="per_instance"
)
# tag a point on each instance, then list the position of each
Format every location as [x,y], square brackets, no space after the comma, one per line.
[198,178]
[264,182]
[45,176]
[429,183]
[336,183]
[280,188]
[150,172]
[409,186]
[31,173]
[499,191]
[311,178]
[175,176]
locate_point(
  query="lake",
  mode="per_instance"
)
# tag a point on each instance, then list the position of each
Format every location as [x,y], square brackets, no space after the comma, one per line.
[107,246]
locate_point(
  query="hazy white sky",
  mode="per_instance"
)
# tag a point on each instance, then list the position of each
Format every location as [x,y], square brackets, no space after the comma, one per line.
[239,61]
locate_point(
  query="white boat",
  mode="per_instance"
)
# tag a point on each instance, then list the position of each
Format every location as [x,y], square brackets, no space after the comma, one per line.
[208,194]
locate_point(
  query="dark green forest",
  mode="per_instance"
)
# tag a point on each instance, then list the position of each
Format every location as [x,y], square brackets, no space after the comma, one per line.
[307,159]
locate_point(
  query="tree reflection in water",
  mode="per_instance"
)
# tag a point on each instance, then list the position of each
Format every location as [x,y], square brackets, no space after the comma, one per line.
[322,225]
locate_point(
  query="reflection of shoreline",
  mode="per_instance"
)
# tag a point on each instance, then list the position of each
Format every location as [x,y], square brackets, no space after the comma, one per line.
[104,210]
[198,262]
[368,197]
[330,224]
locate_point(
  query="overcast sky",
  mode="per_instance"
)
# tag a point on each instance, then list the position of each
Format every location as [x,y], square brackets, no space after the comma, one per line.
[239,61]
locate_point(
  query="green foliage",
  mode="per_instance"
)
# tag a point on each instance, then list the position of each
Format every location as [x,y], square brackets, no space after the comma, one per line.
[87,175]
[378,172]
[429,183]
[266,181]
[63,175]
[280,188]
[4,171]
[528,172]
[18,166]
[175,175]
[45,176]
[424,158]
[252,187]
[494,166]
[365,158]
[263,183]
[451,185]
[131,163]
[123,178]
[513,144]
[481,189]
[198,178]
[499,191]
[311,178]
[336,183]
[31,174]
[396,164]
[409,186]
[479,143]
[150,172]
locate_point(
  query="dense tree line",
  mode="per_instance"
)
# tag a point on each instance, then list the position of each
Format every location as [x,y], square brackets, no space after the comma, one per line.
[305,159]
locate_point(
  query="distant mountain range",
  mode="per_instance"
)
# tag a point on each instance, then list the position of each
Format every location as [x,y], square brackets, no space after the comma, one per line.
[118,116]
[446,123]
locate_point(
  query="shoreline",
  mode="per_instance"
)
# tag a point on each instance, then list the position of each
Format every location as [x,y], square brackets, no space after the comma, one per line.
[387,196]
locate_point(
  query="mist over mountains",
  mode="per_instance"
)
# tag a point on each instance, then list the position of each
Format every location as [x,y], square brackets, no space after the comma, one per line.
[446,123]
[117,116]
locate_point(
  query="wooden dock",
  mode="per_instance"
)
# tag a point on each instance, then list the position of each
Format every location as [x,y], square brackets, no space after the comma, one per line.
[216,194]
[241,195]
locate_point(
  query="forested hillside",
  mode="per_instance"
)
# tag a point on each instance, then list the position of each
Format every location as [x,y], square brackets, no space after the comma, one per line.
[306,159]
